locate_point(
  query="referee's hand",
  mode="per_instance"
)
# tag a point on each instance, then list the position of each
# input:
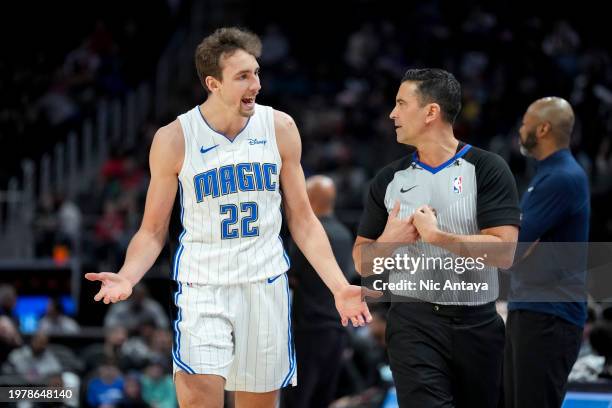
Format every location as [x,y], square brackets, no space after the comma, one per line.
[399,230]
[424,220]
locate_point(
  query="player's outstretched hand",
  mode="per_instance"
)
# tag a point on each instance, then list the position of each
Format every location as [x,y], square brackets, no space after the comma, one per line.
[351,305]
[115,287]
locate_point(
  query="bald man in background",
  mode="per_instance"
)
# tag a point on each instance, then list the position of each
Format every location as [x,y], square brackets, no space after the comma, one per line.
[319,337]
[546,311]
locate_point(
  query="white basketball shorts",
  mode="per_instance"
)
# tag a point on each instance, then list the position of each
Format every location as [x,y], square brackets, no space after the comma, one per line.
[240,332]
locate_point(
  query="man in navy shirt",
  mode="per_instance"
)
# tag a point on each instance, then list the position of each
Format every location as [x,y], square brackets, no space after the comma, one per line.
[547,308]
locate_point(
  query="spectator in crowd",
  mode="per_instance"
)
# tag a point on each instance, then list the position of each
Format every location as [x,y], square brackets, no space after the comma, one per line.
[132,393]
[69,222]
[160,343]
[109,234]
[113,348]
[55,320]
[275,47]
[9,337]
[34,361]
[157,385]
[56,381]
[138,345]
[8,300]
[594,362]
[105,389]
[601,341]
[45,225]
[136,310]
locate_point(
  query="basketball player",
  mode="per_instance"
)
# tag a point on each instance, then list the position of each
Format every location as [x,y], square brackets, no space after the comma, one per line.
[228,159]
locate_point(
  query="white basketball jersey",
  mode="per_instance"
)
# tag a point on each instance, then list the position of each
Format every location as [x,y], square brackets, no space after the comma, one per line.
[230,203]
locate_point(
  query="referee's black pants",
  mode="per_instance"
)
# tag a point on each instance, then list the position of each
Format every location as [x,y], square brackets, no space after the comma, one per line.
[540,351]
[445,356]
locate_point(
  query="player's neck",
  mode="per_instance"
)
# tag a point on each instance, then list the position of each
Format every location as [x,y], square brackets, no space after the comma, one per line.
[222,119]
[436,149]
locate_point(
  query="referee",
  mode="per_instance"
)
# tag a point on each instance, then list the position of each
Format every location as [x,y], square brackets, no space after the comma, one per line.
[547,308]
[445,346]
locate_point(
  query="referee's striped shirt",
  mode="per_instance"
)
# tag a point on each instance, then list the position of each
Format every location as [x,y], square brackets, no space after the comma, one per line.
[472,191]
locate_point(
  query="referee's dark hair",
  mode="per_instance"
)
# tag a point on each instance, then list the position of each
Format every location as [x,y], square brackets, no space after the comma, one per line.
[437,86]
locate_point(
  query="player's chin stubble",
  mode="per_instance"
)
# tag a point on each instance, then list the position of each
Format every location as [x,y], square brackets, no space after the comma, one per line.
[246,113]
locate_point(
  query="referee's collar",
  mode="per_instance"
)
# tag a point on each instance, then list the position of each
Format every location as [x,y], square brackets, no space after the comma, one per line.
[462,148]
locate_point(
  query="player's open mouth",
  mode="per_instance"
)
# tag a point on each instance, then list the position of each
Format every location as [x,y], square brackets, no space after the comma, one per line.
[248,103]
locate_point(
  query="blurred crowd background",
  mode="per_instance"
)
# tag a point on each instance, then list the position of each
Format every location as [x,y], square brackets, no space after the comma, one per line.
[81,99]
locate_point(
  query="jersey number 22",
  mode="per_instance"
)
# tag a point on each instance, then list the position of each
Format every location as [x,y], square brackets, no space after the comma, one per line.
[249,213]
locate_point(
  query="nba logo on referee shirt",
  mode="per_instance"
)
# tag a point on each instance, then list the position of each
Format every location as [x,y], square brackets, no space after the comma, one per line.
[458,184]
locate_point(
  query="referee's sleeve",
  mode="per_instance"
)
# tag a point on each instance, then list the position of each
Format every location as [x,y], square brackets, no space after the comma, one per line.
[374,217]
[497,198]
